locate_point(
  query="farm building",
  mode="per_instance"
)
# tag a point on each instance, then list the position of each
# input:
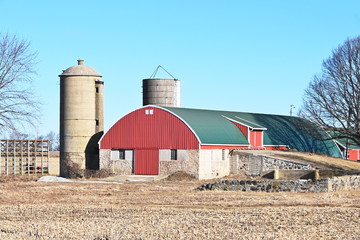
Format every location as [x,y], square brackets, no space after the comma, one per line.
[24,157]
[161,138]
[349,148]
[158,140]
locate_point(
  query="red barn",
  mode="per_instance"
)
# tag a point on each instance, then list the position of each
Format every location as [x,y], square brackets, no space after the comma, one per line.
[350,150]
[157,140]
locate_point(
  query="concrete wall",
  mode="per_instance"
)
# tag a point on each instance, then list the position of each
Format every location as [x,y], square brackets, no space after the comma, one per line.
[256,165]
[187,161]
[291,174]
[123,167]
[247,163]
[214,163]
[54,163]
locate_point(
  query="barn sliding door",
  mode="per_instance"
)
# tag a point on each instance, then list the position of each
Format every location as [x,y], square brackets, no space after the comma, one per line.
[146,162]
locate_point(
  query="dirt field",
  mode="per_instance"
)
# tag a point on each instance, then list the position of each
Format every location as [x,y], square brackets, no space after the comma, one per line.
[171,210]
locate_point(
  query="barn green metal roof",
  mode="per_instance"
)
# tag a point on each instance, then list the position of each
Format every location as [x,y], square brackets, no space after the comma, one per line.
[344,140]
[214,127]
[247,123]
[349,143]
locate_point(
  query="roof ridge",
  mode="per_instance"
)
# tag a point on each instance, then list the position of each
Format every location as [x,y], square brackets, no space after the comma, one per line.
[250,122]
[247,125]
[230,111]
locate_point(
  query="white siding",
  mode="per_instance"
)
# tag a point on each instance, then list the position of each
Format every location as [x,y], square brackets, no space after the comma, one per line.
[115,155]
[182,155]
[129,155]
[165,154]
[212,165]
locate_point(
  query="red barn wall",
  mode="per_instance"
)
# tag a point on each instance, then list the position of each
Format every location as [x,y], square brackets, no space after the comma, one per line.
[256,138]
[354,154]
[147,162]
[243,129]
[159,130]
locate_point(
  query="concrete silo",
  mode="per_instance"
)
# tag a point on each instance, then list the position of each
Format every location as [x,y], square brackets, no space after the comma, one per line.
[81,118]
[161,92]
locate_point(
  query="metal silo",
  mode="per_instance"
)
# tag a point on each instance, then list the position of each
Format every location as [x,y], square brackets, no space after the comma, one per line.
[161,91]
[81,118]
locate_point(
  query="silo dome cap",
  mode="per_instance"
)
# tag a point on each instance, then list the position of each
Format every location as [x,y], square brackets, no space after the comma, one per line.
[80,70]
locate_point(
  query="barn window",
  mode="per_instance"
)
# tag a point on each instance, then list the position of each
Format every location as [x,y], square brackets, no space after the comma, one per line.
[223,154]
[173,154]
[118,154]
[121,154]
[149,111]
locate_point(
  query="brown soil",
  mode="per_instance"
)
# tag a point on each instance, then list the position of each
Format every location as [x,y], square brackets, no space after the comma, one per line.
[171,210]
[179,176]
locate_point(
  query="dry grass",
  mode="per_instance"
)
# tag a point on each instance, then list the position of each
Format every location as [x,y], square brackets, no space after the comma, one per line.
[335,162]
[19,178]
[312,158]
[171,210]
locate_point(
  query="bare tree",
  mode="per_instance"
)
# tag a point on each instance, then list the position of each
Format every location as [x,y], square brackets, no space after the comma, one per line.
[15,134]
[54,141]
[332,99]
[18,107]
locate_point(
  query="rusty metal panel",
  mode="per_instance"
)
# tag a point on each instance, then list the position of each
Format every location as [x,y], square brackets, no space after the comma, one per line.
[147,128]
[146,162]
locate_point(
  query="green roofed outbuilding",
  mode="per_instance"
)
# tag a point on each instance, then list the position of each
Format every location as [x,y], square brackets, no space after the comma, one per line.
[217,128]
[348,146]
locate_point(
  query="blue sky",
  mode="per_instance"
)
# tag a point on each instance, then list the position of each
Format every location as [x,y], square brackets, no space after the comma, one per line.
[251,56]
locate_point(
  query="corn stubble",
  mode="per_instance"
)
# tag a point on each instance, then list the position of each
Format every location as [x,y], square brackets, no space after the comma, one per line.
[171,210]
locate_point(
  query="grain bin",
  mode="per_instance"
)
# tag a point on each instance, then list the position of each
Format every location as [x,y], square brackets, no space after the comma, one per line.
[81,118]
[161,92]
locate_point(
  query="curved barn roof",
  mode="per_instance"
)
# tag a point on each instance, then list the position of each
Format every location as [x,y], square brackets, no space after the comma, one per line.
[215,127]
[344,140]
